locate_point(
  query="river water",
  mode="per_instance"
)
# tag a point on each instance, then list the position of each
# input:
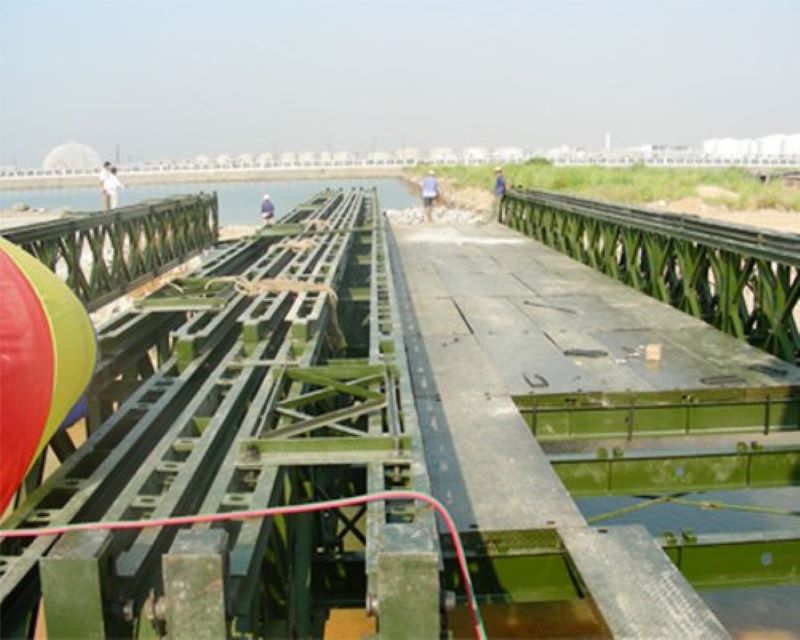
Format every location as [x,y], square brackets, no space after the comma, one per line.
[747,612]
[239,202]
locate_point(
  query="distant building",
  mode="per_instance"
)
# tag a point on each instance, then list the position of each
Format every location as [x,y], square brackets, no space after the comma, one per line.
[72,156]
[556,153]
[770,145]
[509,155]
[442,155]
[407,155]
[773,146]
[380,157]
[343,158]
[306,159]
[476,155]
[671,148]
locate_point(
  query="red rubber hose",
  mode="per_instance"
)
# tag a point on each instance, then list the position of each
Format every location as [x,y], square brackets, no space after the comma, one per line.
[437,506]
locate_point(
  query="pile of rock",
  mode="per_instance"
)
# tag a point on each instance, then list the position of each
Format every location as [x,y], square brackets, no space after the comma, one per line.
[441,215]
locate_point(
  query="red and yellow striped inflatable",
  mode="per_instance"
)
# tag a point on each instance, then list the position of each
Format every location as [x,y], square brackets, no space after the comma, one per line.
[47,356]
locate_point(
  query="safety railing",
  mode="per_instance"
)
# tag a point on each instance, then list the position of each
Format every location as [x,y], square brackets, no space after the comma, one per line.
[103,255]
[745,281]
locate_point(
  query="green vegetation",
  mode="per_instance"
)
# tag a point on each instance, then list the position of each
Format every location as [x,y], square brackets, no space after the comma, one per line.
[638,184]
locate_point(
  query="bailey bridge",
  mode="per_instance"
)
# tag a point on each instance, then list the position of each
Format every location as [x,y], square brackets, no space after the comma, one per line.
[337,428]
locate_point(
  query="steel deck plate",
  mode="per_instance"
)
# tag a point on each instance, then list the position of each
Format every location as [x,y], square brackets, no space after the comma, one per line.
[535,311]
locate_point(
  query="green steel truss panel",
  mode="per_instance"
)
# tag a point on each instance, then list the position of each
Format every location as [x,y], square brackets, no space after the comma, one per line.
[104,255]
[745,282]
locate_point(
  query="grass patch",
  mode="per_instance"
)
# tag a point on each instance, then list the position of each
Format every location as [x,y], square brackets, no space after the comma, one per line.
[635,185]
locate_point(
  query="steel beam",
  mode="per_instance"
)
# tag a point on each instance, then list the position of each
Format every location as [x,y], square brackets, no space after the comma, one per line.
[516,568]
[653,414]
[650,472]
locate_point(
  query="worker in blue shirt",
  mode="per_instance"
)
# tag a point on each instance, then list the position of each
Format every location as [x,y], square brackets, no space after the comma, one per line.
[499,190]
[267,209]
[430,191]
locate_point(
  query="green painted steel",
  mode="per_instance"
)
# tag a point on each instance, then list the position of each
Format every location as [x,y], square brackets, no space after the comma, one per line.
[643,472]
[212,398]
[520,573]
[744,281]
[737,560]
[518,568]
[255,399]
[139,390]
[104,255]
[564,416]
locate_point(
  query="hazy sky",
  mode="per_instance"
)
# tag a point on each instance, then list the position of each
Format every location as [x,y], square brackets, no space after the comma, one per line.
[176,78]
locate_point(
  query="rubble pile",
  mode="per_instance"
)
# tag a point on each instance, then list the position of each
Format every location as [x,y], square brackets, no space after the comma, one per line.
[441,216]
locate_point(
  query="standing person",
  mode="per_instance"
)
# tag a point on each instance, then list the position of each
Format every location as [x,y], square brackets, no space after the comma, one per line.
[103,176]
[499,190]
[267,209]
[110,186]
[430,191]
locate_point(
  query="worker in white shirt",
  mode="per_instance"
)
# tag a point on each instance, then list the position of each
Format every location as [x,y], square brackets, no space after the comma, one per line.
[103,176]
[110,186]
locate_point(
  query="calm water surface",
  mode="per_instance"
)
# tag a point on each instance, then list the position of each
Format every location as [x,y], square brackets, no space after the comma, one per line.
[239,202]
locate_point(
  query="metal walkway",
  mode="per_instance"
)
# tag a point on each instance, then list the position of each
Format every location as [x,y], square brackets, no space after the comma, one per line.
[508,339]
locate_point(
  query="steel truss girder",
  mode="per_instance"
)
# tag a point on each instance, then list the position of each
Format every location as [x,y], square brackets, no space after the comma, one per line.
[133,346]
[89,480]
[743,282]
[643,472]
[182,466]
[102,256]
[277,451]
[275,389]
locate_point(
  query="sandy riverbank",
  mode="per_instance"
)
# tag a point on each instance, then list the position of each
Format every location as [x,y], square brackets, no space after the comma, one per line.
[480,200]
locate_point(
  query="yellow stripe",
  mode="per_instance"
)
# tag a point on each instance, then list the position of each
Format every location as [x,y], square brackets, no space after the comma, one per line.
[72,333]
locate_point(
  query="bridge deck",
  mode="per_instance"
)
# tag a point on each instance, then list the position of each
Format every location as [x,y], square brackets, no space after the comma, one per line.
[484,463]
[528,308]
[491,315]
